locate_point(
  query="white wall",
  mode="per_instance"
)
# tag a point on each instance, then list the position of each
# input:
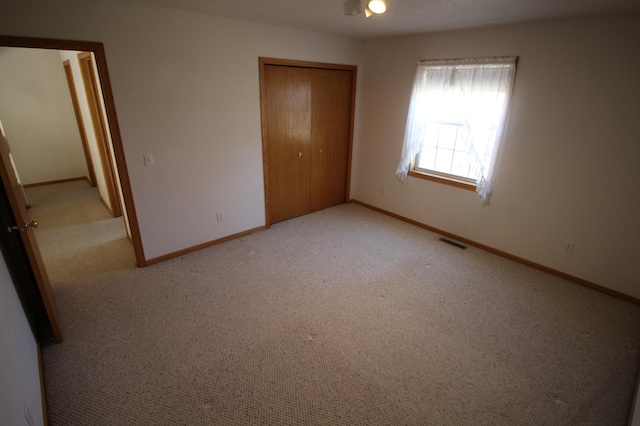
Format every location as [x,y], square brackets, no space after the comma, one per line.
[19,372]
[38,116]
[570,166]
[186,90]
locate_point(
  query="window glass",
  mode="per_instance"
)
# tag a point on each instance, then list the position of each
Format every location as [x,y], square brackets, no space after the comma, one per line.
[456,119]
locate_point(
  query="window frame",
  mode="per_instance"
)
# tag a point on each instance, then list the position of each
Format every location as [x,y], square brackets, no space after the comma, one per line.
[460,181]
[441,178]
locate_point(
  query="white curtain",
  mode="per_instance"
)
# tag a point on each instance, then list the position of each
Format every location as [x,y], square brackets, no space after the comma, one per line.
[477,92]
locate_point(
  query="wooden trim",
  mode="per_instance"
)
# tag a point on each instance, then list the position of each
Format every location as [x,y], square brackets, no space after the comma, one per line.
[265,158]
[53,182]
[118,152]
[68,72]
[305,64]
[203,246]
[43,392]
[440,179]
[509,256]
[91,87]
[110,109]
[262,62]
[352,119]
[46,43]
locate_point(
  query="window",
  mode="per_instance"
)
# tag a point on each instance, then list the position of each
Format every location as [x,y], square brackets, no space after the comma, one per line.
[455,122]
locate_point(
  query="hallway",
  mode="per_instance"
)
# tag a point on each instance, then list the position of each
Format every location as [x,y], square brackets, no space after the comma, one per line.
[76,234]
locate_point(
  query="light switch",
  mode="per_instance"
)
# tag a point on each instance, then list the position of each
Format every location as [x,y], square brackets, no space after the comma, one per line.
[148,160]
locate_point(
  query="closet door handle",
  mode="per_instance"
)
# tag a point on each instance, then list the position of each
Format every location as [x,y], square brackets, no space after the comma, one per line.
[299,154]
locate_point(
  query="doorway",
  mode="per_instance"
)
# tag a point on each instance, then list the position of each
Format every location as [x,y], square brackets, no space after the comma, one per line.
[121,178]
[117,169]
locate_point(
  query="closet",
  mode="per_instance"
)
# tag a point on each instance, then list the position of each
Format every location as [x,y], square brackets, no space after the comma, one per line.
[307,126]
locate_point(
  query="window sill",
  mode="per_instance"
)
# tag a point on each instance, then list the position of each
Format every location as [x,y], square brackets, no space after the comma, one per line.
[446,181]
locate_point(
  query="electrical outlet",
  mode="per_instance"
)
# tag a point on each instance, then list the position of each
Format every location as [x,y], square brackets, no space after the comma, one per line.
[220,216]
[568,247]
[28,416]
[383,191]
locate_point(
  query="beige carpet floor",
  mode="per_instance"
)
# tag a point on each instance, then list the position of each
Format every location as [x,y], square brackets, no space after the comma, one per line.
[341,317]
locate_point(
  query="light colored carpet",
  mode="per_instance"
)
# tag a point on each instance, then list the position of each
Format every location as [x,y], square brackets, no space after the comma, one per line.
[76,233]
[344,317]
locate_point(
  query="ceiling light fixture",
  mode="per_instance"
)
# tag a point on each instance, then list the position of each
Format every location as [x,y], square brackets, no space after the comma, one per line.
[354,7]
[377,6]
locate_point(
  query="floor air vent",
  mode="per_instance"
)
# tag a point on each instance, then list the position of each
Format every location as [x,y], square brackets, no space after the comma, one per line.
[453,243]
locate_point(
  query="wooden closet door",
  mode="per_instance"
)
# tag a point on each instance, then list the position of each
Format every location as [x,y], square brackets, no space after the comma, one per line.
[287,127]
[330,136]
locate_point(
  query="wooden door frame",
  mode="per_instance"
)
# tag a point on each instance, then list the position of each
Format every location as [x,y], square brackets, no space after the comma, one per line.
[262,63]
[110,110]
[100,129]
[79,121]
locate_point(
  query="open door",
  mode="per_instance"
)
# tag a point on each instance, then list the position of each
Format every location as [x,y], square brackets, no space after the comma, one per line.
[68,73]
[91,87]
[22,226]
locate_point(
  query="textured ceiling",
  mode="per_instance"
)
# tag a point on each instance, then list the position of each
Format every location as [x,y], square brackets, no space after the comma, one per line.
[402,17]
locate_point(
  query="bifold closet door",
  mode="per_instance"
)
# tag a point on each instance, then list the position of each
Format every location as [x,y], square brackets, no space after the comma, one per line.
[330,133]
[307,129]
[287,127]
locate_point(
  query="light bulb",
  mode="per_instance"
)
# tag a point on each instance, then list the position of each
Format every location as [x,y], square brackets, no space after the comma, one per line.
[377,6]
